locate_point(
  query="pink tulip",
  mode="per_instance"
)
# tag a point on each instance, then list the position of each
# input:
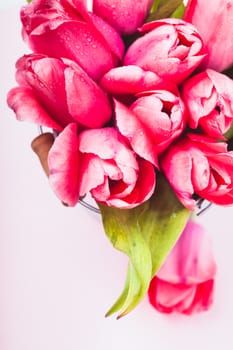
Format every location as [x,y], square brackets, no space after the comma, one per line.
[100,162]
[151,123]
[64,164]
[171,48]
[162,113]
[54,92]
[185,281]
[200,166]
[214,22]
[64,28]
[124,15]
[209,98]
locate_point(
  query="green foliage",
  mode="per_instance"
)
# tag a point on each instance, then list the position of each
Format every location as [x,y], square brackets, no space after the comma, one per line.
[229,134]
[146,234]
[165,9]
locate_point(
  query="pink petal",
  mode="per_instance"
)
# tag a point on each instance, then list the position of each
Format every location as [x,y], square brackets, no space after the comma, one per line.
[130,127]
[177,166]
[191,260]
[143,189]
[91,173]
[27,108]
[110,34]
[132,80]
[87,103]
[107,143]
[46,77]
[167,297]
[63,161]
[218,42]
[124,15]
[203,298]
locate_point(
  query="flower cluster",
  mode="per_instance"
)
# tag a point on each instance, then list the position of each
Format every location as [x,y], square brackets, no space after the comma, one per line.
[124,113]
[129,100]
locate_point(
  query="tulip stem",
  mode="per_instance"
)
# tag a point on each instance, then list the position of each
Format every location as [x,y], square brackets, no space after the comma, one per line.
[154,6]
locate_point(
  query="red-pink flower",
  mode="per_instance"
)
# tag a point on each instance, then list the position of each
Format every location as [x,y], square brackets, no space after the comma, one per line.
[54,92]
[197,165]
[214,22]
[185,282]
[64,28]
[162,114]
[99,161]
[124,15]
[151,123]
[171,48]
[209,98]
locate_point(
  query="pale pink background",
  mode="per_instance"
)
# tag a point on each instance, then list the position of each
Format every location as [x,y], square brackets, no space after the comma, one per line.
[58,272]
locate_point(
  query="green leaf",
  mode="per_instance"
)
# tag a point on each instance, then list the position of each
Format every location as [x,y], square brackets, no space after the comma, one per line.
[229,134]
[146,234]
[179,12]
[165,9]
[155,6]
[29,1]
[122,228]
[162,222]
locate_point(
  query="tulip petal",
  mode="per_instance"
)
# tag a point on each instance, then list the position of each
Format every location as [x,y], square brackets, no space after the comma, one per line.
[46,78]
[132,80]
[92,141]
[167,297]
[216,29]
[143,188]
[124,15]
[27,108]
[90,164]
[63,161]
[191,260]
[110,34]
[87,103]
[130,127]
[177,166]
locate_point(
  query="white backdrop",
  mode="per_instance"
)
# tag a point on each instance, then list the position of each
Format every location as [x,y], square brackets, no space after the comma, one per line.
[58,272]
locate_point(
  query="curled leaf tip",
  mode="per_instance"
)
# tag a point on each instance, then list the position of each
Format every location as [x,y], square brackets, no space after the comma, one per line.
[146,234]
[120,316]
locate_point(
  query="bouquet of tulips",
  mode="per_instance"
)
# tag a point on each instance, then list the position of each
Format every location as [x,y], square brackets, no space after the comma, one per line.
[139,99]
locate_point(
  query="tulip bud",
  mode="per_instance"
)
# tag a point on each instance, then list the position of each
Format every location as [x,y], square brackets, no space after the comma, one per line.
[209,98]
[185,282]
[171,48]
